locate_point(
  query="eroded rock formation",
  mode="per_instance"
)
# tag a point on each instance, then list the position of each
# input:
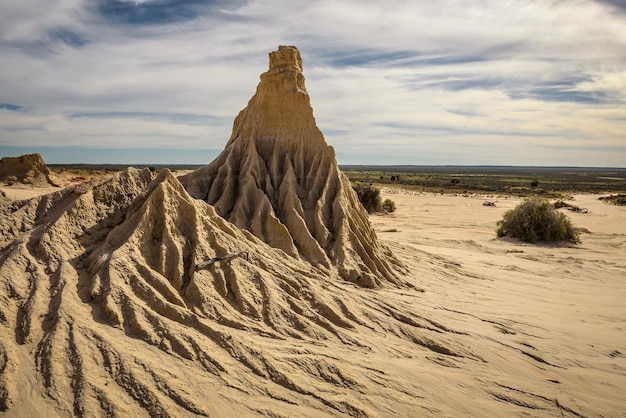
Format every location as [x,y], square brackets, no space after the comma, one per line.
[278,179]
[104,313]
[26,169]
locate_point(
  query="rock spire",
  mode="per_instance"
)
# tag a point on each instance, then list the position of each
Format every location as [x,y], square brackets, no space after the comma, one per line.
[278,179]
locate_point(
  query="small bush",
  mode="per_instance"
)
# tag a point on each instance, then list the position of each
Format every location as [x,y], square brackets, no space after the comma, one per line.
[618,199]
[389,205]
[536,220]
[369,196]
[534,183]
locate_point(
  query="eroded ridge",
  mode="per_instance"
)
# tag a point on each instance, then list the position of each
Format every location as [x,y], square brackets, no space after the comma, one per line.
[104,312]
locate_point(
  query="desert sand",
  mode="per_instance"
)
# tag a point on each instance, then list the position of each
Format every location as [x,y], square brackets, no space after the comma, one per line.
[258,286]
[495,327]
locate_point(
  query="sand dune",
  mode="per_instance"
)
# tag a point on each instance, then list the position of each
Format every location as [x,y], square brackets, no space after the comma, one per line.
[547,320]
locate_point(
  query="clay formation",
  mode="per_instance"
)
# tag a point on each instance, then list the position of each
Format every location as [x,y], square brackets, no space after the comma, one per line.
[278,179]
[124,294]
[26,169]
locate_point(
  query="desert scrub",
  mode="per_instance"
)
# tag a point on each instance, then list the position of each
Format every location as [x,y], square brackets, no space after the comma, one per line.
[389,205]
[369,196]
[618,199]
[536,220]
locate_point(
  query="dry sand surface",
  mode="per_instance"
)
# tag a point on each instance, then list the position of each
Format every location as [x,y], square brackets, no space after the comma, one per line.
[17,192]
[548,321]
[493,327]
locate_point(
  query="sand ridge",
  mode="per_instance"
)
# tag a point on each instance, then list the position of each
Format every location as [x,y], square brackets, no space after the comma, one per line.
[106,269]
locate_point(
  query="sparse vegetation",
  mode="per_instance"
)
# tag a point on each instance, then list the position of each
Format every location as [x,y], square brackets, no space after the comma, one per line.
[389,205]
[618,199]
[536,220]
[552,182]
[369,196]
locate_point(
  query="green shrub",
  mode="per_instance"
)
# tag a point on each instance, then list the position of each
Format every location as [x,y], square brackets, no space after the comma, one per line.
[369,196]
[389,205]
[536,220]
[618,199]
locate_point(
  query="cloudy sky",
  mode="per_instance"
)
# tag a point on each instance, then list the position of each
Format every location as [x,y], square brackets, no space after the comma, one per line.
[471,82]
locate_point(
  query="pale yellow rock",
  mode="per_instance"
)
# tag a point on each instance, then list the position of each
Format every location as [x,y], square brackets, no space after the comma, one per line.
[27,169]
[279,179]
[103,310]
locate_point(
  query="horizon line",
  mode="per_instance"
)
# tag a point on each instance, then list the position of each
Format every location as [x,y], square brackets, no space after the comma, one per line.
[166,165]
[75,155]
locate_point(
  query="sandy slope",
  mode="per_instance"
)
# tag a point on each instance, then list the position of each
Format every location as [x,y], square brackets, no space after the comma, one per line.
[26,192]
[550,322]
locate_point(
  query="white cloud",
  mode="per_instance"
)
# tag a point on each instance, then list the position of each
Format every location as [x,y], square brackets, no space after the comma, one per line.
[29,20]
[613,83]
[489,81]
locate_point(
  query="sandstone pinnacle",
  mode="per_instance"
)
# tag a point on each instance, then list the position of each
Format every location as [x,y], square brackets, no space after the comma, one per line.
[278,178]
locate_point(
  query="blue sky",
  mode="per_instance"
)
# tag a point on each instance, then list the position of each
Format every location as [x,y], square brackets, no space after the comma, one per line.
[491,82]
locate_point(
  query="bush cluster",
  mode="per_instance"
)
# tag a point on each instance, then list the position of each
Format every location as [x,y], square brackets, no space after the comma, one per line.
[389,205]
[369,196]
[618,199]
[536,220]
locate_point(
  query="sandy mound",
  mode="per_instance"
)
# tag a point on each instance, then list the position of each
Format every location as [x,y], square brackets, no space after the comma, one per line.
[27,169]
[278,179]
